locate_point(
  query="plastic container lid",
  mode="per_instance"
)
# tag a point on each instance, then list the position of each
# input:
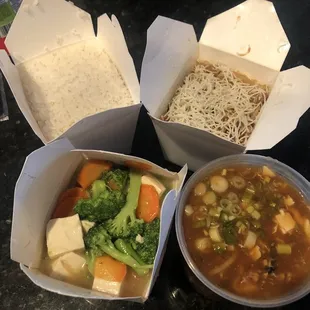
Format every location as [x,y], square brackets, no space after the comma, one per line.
[290,176]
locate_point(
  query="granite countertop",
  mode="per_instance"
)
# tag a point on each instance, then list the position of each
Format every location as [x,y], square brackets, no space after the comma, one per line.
[175,288]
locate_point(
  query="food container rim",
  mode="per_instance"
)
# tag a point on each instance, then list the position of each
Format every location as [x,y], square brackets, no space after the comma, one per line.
[290,175]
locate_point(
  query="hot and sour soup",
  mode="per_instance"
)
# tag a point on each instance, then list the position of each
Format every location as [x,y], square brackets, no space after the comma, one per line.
[248,231]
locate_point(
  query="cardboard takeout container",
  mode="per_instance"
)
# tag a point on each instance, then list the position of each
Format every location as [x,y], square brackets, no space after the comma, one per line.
[46,25]
[248,38]
[46,173]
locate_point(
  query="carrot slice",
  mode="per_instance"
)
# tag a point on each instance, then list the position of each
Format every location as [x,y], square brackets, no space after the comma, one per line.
[73,192]
[65,207]
[109,269]
[92,171]
[68,200]
[148,205]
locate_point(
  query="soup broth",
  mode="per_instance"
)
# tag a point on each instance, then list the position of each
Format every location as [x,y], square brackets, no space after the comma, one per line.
[248,231]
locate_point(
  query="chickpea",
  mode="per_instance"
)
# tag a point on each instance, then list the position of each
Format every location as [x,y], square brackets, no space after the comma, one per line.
[200,189]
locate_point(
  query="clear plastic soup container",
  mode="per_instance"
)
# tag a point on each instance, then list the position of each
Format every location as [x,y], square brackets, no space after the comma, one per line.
[290,176]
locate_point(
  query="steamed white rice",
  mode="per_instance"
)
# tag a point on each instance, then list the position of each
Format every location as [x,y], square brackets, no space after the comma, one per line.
[70,83]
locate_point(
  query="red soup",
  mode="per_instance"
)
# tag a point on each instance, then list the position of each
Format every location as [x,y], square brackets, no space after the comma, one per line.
[248,231]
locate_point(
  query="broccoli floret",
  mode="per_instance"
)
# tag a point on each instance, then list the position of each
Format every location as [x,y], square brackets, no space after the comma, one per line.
[98,242]
[125,224]
[97,188]
[116,179]
[148,248]
[106,206]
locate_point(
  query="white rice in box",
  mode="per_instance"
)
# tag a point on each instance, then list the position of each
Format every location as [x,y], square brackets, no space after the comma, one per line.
[70,83]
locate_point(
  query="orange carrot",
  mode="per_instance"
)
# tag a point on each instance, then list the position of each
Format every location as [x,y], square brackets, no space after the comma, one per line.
[65,207]
[109,269]
[92,171]
[67,201]
[148,205]
[73,192]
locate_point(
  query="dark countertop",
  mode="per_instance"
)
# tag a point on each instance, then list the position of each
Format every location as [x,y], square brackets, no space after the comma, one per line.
[172,289]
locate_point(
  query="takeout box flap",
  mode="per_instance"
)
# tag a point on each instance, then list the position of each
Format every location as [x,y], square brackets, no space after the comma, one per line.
[111,130]
[46,173]
[44,25]
[166,215]
[182,143]
[287,102]
[171,46]
[110,32]
[251,31]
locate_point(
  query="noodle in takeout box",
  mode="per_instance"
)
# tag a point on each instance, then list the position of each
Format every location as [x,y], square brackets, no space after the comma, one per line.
[70,75]
[46,173]
[248,39]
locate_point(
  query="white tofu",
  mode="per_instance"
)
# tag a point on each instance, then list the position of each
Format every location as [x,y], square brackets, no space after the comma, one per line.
[285,221]
[109,287]
[87,225]
[67,265]
[64,235]
[150,180]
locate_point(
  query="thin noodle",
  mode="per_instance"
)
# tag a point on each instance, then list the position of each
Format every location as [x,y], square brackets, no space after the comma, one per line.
[215,99]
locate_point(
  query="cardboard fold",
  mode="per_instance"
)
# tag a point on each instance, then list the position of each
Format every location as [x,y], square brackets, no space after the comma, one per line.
[287,102]
[110,32]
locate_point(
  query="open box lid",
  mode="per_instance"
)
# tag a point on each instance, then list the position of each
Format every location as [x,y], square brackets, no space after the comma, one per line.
[171,53]
[287,102]
[250,31]
[60,23]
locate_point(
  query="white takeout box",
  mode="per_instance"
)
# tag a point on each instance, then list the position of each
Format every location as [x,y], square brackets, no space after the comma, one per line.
[46,173]
[248,38]
[48,25]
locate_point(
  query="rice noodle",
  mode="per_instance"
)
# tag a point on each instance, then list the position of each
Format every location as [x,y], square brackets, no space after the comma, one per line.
[216,99]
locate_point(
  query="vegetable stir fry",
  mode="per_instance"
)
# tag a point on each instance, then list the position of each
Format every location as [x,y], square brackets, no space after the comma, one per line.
[248,231]
[104,232]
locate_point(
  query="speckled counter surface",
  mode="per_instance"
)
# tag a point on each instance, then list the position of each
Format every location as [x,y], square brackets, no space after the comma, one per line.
[173,289]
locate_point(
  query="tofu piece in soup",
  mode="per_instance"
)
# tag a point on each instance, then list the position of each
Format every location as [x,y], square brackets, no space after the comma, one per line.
[109,287]
[285,221]
[67,265]
[64,235]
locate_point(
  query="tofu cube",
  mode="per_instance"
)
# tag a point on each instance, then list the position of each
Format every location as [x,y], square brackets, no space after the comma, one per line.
[64,235]
[286,222]
[150,180]
[67,265]
[109,287]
